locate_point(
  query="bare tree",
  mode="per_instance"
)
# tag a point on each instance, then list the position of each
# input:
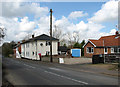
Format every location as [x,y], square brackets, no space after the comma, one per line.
[2,34]
[76,36]
[57,32]
[70,38]
[28,36]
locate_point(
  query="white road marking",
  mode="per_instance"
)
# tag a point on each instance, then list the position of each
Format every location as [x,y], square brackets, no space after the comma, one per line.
[55,69]
[66,77]
[29,66]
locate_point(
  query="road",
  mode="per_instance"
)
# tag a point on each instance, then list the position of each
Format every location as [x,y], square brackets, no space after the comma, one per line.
[0,69]
[20,72]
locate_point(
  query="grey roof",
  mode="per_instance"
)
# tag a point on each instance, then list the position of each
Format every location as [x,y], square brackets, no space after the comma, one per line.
[41,37]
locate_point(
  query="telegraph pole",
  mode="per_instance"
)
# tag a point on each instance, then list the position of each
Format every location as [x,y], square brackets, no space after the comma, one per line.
[51,35]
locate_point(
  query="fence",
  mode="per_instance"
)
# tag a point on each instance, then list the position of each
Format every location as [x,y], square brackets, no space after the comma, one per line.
[106,58]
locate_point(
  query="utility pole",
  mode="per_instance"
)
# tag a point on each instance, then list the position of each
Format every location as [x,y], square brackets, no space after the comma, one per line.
[104,49]
[51,35]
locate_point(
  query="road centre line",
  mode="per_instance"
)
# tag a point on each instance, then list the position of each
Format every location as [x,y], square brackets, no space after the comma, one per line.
[66,77]
[55,69]
[29,66]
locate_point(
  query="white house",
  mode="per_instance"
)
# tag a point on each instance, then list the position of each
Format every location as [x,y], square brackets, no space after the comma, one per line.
[40,44]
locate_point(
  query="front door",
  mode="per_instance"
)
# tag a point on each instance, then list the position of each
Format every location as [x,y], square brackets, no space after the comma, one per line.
[105,50]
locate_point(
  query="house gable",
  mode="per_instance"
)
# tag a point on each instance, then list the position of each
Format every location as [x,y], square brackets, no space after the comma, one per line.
[90,43]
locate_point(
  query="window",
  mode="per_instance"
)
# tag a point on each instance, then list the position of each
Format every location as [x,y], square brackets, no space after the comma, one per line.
[118,50]
[105,50]
[115,50]
[41,44]
[33,53]
[47,53]
[36,53]
[28,53]
[32,43]
[112,50]
[47,43]
[90,50]
[27,45]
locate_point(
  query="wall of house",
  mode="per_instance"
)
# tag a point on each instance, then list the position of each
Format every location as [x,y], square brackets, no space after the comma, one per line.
[109,50]
[35,48]
[97,51]
[43,49]
[85,50]
[22,50]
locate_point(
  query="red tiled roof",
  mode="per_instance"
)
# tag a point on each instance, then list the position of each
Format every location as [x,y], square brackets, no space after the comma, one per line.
[112,40]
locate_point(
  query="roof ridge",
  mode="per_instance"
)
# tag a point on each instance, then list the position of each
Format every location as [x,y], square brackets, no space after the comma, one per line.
[108,36]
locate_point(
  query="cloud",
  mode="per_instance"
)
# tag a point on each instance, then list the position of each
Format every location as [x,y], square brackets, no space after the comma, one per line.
[86,30]
[77,14]
[18,24]
[112,32]
[26,25]
[19,9]
[43,25]
[107,13]
[21,35]
[17,30]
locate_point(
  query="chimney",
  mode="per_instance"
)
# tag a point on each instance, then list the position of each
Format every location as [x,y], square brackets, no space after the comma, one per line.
[33,36]
[18,42]
[116,33]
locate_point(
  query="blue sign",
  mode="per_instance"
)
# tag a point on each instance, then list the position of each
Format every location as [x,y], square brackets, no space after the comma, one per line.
[76,52]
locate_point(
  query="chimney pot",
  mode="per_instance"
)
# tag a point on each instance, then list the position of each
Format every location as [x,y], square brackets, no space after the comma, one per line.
[116,32]
[32,36]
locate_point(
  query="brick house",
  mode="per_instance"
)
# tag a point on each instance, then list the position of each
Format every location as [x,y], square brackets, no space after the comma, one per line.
[104,45]
[17,50]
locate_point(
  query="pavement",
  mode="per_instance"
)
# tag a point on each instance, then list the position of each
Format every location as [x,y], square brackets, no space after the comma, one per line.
[27,72]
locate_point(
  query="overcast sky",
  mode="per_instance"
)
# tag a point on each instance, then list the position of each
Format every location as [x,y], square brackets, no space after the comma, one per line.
[90,19]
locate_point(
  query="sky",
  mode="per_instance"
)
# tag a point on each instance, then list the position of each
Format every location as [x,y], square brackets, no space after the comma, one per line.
[90,19]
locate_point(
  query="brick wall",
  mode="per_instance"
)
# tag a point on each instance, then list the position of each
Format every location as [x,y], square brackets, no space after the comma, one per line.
[97,51]
[19,48]
[85,52]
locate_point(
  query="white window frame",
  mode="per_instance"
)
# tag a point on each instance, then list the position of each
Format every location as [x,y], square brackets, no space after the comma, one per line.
[87,50]
[118,50]
[112,49]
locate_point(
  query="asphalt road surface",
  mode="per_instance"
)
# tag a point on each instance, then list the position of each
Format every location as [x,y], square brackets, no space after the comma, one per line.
[21,72]
[0,70]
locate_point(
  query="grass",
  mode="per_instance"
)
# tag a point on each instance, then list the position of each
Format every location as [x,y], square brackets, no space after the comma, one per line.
[114,67]
[109,66]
